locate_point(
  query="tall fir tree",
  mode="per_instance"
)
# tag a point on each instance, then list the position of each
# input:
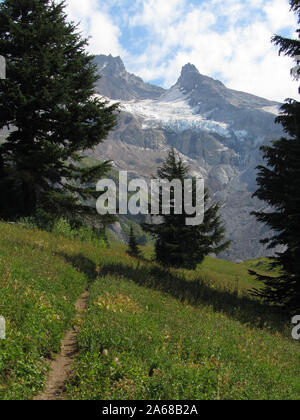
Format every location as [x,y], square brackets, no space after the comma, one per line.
[177,244]
[48,102]
[279,186]
[133,249]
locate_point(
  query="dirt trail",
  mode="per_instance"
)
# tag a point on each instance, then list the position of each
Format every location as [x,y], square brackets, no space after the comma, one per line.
[60,368]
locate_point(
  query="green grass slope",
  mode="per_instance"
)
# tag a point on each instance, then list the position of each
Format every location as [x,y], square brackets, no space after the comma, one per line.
[148,333]
[37,295]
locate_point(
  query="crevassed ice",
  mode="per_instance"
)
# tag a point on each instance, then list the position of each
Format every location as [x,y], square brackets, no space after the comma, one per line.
[172,111]
[241,134]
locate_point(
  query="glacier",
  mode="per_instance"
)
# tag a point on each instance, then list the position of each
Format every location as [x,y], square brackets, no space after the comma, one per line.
[172,111]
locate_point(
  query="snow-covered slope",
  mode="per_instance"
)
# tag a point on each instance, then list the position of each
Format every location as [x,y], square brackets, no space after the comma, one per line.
[172,111]
[218,132]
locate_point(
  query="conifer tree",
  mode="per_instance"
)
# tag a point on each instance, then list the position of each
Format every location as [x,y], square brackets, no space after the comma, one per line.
[133,250]
[279,186]
[177,244]
[48,101]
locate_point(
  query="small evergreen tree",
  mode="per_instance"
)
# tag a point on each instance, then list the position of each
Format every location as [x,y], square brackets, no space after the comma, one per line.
[133,250]
[48,101]
[177,244]
[279,186]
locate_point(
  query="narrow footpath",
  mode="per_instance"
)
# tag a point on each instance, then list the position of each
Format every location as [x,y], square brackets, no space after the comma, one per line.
[61,367]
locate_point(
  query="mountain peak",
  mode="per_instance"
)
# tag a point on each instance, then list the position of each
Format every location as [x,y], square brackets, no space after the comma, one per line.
[115,64]
[192,81]
[116,83]
[189,68]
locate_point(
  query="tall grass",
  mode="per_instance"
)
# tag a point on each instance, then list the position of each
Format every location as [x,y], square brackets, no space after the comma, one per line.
[138,343]
[149,332]
[37,294]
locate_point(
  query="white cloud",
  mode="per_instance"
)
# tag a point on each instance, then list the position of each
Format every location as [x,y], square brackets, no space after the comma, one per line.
[240,52]
[158,13]
[96,23]
[228,39]
[279,15]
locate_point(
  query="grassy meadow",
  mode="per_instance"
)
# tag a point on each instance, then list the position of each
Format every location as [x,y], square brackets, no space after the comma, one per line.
[148,332]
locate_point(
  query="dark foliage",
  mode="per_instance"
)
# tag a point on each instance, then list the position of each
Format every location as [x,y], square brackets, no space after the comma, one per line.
[133,250]
[48,103]
[279,186]
[177,244]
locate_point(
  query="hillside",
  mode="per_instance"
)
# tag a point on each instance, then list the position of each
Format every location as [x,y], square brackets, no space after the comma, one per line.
[148,333]
[216,130]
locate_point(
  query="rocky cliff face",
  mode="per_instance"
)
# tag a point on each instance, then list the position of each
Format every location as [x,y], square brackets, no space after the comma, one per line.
[117,83]
[218,131]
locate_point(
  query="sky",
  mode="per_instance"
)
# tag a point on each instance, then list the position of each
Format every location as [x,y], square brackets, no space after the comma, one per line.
[229,40]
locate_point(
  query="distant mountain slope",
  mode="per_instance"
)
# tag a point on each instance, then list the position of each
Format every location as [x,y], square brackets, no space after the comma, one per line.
[217,131]
[214,93]
[117,83]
